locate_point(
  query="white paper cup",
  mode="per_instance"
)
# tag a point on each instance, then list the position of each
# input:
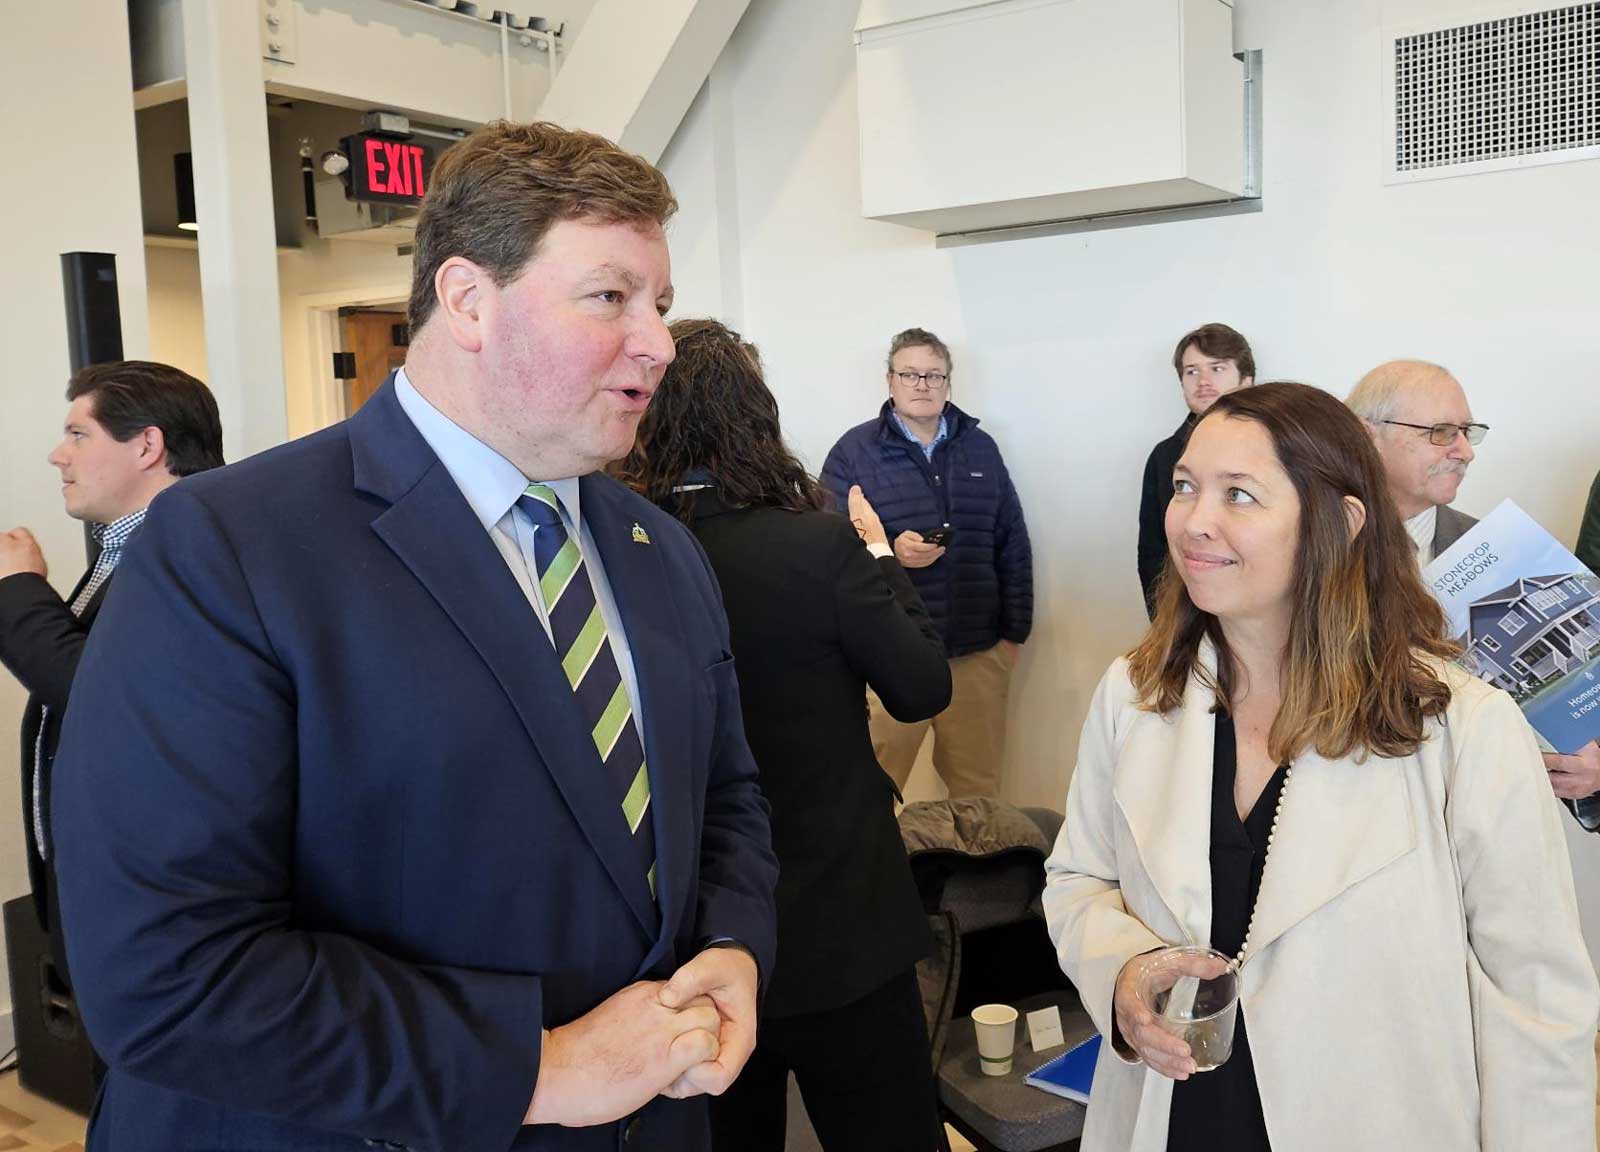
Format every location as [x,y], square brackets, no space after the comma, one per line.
[997,1037]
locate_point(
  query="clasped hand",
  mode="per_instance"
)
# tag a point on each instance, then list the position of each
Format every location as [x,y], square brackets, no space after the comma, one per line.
[682,1037]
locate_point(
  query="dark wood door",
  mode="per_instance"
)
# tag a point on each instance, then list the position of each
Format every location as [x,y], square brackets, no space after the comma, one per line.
[370,335]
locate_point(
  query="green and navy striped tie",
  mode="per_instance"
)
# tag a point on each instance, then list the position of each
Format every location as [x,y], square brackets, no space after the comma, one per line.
[579,631]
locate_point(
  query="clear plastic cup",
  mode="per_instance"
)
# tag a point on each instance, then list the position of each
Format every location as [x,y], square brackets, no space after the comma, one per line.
[1200,1010]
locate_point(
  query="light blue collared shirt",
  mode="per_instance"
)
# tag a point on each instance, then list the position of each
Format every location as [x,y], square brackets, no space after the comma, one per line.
[927,449]
[492,484]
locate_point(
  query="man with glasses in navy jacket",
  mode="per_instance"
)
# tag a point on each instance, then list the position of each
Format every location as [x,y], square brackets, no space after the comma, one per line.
[943,492]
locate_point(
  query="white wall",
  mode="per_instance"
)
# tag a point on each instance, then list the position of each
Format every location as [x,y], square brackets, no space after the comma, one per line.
[177,321]
[311,279]
[71,183]
[1062,343]
[318,277]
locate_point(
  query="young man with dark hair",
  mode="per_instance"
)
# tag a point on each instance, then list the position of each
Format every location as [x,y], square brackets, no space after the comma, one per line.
[133,429]
[1211,361]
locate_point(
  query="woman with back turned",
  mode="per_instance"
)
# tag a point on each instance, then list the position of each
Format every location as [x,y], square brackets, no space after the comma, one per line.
[818,611]
[1289,770]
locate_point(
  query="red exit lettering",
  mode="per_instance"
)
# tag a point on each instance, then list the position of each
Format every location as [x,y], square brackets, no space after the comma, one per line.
[394,168]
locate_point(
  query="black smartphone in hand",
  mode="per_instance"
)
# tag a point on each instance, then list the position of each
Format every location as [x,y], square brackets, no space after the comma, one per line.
[940,536]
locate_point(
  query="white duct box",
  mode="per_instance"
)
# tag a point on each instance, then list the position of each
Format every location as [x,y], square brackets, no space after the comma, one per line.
[987,114]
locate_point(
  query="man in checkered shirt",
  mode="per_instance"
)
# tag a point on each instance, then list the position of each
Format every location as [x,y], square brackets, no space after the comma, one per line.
[133,429]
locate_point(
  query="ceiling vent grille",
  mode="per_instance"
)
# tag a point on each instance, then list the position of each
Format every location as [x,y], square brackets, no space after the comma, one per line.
[1503,93]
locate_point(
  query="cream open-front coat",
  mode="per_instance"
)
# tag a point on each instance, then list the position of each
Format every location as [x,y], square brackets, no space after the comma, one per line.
[1416,977]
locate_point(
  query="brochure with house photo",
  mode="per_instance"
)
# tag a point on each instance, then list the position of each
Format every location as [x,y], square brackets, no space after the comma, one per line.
[1527,614]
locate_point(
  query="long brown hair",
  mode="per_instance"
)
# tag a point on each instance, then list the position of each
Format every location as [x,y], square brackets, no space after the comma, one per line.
[1356,675]
[713,414]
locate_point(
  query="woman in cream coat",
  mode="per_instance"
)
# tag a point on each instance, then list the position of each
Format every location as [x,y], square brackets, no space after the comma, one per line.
[1413,976]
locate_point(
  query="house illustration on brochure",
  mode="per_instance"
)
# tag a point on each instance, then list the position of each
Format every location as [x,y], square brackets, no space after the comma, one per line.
[1526,613]
[1534,631]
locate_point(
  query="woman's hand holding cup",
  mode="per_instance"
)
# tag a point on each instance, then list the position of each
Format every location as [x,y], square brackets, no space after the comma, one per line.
[1141,1029]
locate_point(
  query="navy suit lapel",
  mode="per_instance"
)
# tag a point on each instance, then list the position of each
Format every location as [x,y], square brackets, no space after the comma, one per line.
[638,580]
[433,531]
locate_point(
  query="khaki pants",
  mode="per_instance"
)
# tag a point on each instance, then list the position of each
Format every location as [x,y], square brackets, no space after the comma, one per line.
[969,737]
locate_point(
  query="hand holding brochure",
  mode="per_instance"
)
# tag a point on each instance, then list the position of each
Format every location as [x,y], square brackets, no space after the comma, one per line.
[1069,1074]
[1527,613]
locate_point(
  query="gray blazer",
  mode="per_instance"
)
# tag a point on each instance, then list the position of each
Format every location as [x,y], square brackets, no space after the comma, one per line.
[1449,527]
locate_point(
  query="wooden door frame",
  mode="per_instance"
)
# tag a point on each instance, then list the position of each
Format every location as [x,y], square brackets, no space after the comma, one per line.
[323,340]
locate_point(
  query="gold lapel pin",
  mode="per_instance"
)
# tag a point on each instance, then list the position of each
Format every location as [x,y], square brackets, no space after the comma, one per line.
[640,536]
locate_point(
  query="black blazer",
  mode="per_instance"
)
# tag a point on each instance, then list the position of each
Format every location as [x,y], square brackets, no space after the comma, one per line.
[1153,499]
[814,620]
[40,643]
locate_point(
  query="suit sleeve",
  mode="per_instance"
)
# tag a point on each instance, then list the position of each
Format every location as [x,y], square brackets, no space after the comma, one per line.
[837,476]
[738,871]
[1014,564]
[1093,931]
[41,641]
[174,813]
[1588,549]
[1534,995]
[886,634]
[1586,811]
[1152,528]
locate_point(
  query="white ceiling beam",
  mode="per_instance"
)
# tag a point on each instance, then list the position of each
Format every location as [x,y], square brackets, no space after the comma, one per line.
[636,68]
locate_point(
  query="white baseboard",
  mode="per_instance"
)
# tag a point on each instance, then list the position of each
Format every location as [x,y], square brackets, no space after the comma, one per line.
[8,1034]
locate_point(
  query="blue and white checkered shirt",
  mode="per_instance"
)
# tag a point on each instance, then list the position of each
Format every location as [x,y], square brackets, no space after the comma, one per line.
[112,538]
[927,449]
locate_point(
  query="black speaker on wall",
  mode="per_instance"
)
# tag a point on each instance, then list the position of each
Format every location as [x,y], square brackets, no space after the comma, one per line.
[94,320]
[94,323]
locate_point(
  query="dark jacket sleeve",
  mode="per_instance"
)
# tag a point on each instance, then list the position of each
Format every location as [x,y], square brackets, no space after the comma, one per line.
[1013,564]
[1588,549]
[838,475]
[886,634]
[1588,554]
[1153,497]
[174,812]
[41,640]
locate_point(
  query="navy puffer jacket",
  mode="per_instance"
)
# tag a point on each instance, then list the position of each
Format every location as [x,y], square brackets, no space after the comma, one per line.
[981,590]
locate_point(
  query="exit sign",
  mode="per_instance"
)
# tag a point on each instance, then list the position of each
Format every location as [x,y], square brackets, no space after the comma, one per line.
[386,170]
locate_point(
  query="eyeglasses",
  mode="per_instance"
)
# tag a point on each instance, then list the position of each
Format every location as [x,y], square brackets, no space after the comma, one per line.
[936,380]
[1444,435]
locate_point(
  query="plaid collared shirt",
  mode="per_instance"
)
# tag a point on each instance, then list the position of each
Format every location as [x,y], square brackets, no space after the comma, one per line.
[927,449]
[112,538]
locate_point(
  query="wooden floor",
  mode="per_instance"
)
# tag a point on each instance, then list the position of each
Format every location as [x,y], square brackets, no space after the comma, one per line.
[26,1121]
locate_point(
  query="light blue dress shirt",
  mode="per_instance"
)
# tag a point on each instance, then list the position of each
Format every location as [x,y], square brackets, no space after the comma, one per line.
[491,485]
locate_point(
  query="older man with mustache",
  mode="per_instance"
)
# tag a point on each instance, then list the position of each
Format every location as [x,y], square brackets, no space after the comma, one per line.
[1420,420]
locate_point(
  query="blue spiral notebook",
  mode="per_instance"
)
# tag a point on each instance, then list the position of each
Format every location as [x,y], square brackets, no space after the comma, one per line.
[1069,1074]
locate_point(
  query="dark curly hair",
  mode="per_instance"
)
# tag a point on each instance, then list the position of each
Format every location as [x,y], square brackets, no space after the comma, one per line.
[714,415]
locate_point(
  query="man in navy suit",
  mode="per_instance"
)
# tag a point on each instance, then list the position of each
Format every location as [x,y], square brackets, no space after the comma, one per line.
[404,798]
